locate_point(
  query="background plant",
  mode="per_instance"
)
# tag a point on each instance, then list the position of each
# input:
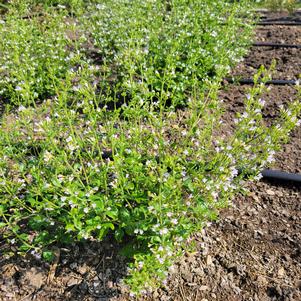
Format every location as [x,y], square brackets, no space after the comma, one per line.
[289,5]
[167,49]
[35,53]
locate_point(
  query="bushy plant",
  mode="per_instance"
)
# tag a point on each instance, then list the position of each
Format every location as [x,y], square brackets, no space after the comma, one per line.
[274,5]
[167,49]
[35,53]
[107,155]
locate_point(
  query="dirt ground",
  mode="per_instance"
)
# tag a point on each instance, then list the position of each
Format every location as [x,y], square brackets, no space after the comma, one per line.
[253,251]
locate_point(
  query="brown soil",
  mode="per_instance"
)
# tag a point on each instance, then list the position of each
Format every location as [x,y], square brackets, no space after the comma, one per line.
[288,62]
[253,252]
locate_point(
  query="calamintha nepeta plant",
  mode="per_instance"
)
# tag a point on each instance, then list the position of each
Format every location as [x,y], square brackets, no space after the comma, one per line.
[126,141]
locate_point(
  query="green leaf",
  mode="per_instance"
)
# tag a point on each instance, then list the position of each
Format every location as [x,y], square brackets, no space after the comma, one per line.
[112,214]
[119,234]
[48,255]
[108,226]
[1,210]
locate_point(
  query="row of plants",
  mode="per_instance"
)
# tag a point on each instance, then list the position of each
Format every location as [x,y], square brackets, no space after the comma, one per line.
[276,5]
[112,125]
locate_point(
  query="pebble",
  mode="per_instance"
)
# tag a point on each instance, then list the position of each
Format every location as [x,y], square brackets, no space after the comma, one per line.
[209,260]
[73,281]
[270,192]
[281,272]
[204,288]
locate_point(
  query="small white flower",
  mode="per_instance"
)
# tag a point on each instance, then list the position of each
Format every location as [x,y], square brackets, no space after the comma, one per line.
[86,210]
[214,195]
[261,102]
[169,214]
[160,249]
[163,231]
[166,175]
[21,108]
[174,221]
[69,139]
[47,156]
[140,264]
[186,152]
[258,177]
[47,119]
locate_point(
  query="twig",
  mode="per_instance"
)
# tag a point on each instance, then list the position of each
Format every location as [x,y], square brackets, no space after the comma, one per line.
[53,267]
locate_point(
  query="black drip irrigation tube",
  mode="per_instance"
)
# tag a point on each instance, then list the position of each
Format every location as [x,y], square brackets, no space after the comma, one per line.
[286,23]
[275,45]
[267,11]
[249,81]
[281,175]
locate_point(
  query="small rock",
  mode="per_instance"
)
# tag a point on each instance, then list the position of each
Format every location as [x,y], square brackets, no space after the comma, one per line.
[73,281]
[83,269]
[270,192]
[34,278]
[209,260]
[110,284]
[73,265]
[298,284]
[187,276]
[281,272]
[204,288]
[155,294]
[10,295]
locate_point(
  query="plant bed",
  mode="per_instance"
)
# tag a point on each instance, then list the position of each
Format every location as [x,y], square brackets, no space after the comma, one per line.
[109,153]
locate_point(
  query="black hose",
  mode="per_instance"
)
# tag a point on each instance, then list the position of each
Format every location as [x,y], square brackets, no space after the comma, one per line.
[249,81]
[286,23]
[275,45]
[281,175]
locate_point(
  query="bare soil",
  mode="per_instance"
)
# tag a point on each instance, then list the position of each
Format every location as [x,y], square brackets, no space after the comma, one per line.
[253,251]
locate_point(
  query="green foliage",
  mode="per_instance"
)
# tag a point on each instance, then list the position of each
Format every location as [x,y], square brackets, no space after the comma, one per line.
[289,5]
[168,49]
[125,138]
[34,54]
